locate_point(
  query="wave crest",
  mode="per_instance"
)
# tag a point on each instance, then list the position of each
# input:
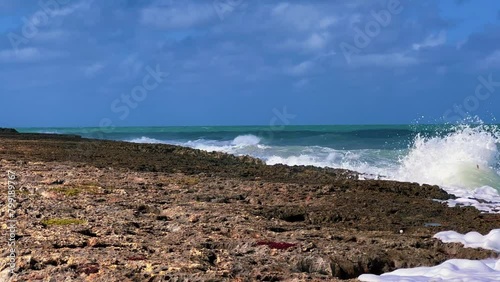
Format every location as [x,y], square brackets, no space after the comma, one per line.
[466,158]
[147,140]
[246,140]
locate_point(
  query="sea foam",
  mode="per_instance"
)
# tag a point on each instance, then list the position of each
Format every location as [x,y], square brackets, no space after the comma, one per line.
[466,158]
[246,140]
[147,140]
[450,270]
[490,241]
[454,269]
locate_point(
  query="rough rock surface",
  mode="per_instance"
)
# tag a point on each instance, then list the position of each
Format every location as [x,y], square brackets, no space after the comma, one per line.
[93,210]
[7,130]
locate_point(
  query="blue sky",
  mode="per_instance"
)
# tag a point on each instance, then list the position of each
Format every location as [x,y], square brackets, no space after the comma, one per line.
[238,62]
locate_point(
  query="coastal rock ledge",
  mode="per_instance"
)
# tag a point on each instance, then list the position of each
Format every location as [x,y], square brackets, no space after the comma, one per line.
[7,130]
[90,210]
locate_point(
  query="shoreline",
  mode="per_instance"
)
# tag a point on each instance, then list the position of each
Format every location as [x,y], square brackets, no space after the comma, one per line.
[98,210]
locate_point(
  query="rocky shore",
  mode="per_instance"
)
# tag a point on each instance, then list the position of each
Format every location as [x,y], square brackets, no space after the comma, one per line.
[90,210]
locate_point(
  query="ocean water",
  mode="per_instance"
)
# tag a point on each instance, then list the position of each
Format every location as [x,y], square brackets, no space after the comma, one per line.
[463,159]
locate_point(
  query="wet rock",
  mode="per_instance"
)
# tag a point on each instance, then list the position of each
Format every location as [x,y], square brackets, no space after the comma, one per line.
[7,130]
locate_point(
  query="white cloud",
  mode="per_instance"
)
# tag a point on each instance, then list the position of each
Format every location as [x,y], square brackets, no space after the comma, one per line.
[327,22]
[93,69]
[51,35]
[432,40]
[301,83]
[384,60]
[312,43]
[21,55]
[316,42]
[492,60]
[280,8]
[354,19]
[303,16]
[65,10]
[310,25]
[28,55]
[182,16]
[300,69]
[129,68]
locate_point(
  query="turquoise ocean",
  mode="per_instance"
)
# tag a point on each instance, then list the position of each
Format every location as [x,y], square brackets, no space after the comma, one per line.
[465,159]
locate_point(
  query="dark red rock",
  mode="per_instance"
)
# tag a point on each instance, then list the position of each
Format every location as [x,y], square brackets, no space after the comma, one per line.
[276,245]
